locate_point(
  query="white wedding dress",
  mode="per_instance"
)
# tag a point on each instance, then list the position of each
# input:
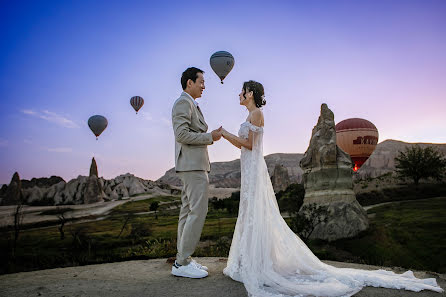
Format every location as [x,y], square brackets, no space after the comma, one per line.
[272,261]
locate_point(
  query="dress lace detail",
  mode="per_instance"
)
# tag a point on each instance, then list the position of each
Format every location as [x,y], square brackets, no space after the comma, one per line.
[272,261]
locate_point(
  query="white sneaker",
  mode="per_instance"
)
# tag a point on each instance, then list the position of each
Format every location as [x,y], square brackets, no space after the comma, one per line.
[198,265]
[190,271]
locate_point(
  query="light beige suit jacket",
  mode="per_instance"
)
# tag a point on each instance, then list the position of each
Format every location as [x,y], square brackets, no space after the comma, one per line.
[191,139]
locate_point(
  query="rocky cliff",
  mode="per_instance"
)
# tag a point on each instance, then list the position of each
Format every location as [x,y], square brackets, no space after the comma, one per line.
[280,178]
[227,174]
[80,190]
[382,159]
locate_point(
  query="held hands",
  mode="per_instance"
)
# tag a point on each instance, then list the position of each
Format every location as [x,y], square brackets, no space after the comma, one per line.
[224,133]
[216,134]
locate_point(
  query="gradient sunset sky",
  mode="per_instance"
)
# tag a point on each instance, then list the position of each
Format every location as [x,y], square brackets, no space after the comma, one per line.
[64,61]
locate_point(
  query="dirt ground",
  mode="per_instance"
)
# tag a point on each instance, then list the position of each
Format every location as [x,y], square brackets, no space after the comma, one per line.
[152,278]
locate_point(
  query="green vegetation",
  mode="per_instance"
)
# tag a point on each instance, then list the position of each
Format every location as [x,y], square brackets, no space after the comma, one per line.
[112,239]
[405,192]
[291,199]
[154,207]
[307,219]
[303,220]
[230,204]
[408,234]
[420,163]
[164,202]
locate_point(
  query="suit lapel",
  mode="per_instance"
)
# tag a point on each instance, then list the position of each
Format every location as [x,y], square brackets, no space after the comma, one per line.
[198,111]
[201,117]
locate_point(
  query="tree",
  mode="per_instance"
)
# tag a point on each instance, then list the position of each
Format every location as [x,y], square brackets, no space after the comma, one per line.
[18,221]
[231,204]
[217,204]
[420,163]
[126,219]
[81,242]
[291,199]
[140,230]
[154,207]
[307,219]
[60,212]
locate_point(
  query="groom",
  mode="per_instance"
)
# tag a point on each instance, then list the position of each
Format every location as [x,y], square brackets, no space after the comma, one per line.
[192,165]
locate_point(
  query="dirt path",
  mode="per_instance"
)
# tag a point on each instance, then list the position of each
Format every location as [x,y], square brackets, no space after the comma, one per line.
[32,214]
[385,203]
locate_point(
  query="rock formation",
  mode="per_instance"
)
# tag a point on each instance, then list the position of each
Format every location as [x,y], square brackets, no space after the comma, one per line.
[85,189]
[227,174]
[42,182]
[328,182]
[13,194]
[93,190]
[93,168]
[3,190]
[280,178]
[382,160]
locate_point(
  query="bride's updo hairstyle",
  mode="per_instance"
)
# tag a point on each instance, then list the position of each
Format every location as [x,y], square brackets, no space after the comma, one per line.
[257,90]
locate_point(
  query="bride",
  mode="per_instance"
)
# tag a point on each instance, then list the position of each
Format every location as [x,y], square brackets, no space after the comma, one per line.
[265,253]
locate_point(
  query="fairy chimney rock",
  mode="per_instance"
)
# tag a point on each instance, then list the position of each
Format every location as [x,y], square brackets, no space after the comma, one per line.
[13,194]
[93,168]
[328,181]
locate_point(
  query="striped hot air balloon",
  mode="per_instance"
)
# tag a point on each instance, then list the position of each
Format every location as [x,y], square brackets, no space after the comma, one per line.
[358,138]
[97,124]
[137,102]
[222,63]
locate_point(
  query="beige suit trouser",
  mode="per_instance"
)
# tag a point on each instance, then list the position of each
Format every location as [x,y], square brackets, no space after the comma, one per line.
[194,208]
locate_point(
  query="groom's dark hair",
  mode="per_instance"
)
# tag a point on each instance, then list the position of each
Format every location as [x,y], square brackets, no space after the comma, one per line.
[189,73]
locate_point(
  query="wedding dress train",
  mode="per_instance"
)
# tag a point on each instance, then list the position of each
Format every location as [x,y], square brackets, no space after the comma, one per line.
[272,261]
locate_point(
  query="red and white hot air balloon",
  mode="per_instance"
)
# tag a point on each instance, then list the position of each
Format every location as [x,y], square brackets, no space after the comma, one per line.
[358,138]
[137,102]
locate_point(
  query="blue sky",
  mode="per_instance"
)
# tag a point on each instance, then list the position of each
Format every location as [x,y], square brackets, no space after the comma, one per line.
[63,61]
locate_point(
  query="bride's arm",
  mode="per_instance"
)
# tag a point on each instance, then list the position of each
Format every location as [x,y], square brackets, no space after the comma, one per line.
[256,120]
[236,141]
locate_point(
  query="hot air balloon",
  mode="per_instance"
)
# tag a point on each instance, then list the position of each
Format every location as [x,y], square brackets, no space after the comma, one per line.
[97,124]
[137,102]
[222,63]
[358,138]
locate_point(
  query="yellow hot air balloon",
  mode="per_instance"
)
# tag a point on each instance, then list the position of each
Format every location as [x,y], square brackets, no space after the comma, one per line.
[358,138]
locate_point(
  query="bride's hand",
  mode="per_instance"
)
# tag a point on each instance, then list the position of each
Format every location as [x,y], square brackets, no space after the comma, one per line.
[224,133]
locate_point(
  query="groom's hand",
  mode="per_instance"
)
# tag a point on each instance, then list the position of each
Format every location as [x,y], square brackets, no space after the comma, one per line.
[216,134]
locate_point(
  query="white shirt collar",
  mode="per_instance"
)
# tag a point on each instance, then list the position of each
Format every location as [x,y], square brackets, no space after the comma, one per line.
[195,101]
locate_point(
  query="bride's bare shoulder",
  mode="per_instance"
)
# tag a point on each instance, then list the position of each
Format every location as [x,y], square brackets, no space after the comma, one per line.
[257,117]
[257,111]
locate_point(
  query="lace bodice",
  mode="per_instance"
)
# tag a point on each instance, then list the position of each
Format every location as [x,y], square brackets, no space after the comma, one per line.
[243,132]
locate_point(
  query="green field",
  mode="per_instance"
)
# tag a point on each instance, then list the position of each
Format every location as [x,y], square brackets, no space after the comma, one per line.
[408,234]
[98,241]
